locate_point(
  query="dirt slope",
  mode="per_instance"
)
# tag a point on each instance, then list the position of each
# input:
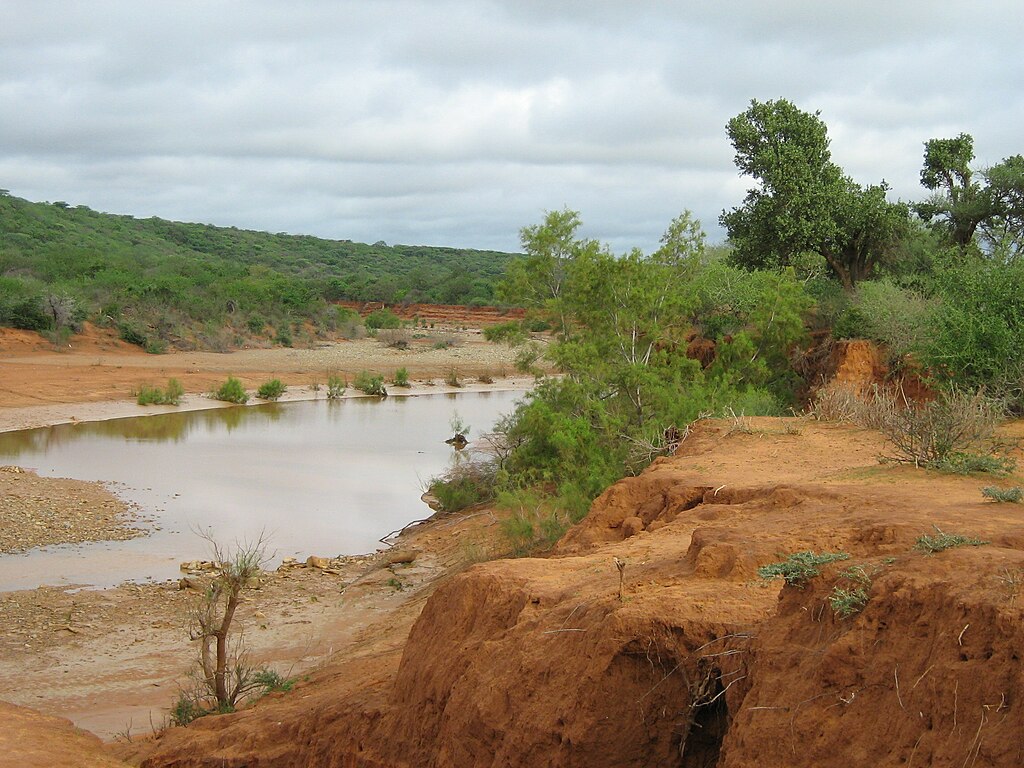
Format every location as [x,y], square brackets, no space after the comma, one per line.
[537,661]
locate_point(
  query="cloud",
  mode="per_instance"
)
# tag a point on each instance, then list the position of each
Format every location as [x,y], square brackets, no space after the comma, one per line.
[458,122]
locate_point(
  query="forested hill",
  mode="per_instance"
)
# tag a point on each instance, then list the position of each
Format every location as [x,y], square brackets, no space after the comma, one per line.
[165,272]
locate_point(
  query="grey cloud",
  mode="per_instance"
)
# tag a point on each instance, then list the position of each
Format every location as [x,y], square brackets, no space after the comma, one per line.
[458,122]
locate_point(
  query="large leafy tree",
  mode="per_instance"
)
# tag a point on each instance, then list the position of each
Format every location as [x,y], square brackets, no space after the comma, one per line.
[966,206]
[959,203]
[803,201]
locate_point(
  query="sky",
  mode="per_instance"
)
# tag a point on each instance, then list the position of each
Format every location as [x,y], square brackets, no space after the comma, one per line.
[458,122]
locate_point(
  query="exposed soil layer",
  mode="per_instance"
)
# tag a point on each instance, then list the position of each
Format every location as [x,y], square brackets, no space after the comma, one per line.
[700,662]
[442,314]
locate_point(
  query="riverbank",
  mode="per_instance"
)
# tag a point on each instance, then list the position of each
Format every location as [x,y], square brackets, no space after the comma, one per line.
[95,378]
[112,660]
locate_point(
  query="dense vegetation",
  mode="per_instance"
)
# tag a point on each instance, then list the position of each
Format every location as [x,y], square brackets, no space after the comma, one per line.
[162,282]
[939,283]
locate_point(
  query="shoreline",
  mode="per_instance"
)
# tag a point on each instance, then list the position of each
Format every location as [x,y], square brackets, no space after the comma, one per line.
[19,418]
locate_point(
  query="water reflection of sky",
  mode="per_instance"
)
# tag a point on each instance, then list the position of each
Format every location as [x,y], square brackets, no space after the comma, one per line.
[322,477]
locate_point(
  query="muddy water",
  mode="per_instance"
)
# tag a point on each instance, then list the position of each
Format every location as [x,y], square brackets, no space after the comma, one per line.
[320,477]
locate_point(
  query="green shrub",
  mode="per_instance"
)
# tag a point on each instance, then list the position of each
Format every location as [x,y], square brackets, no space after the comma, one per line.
[528,356]
[370,384]
[155,396]
[942,541]
[133,333]
[231,391]
[800,567]
[1003,495]
[402,378]
[336,386]
[187,709]
[847,602]
[270,390]
[270,681]
[464,485]
[511,333]
[971,463]
[382,318]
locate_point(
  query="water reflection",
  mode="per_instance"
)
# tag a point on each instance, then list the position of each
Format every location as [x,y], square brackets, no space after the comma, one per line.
[326,477]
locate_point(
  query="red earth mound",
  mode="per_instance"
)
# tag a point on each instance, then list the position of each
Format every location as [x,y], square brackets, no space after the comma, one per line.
[701,662]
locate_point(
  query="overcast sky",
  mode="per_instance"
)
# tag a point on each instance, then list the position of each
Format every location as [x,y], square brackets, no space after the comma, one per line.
[456,122]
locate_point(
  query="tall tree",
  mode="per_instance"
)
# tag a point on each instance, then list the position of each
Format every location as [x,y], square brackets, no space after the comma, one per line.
[804,202]
[959,203]
[539,280]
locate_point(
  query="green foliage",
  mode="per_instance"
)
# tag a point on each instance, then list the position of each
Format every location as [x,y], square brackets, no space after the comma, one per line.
[231,391]
[466,484]
[536,529]
[960,463]
[402,378]
[512,333]
[194,274]
[804,202]
[382,318]
[369,384]
[270,390]
[800,567]
[271,682]
[186,709]
[942,541]
[336,386]
[848,601]
[155,396]
[976,338]
[1003,495]
[623,324]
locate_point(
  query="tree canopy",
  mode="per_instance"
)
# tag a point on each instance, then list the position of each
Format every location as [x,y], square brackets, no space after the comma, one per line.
[804,202]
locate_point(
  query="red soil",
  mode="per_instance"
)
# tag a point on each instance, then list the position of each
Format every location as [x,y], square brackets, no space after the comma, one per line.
[538,662]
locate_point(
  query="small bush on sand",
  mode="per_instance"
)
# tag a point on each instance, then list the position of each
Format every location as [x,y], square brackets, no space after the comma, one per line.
[1003,495]
[382,318]
[336,386]
[942,541]
[402,378]
[155,396]
[270,390]
[231,391]
[800,567]
[370,384]
[452,378]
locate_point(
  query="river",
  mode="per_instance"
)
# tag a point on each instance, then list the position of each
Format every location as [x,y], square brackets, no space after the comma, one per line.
[318,477]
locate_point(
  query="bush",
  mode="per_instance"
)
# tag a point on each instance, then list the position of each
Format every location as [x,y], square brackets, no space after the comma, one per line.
[395,338]
[271,681]
[847,602]
[452,378]
[155,396]
[800,567]
[402,378]
[1003,495]
[511,333]
[270,390]
[527,357]
[464,485]
[942,541]
[231,391]
[935,434]
[370,384]
[336,386]
[382,318]
[444,340]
